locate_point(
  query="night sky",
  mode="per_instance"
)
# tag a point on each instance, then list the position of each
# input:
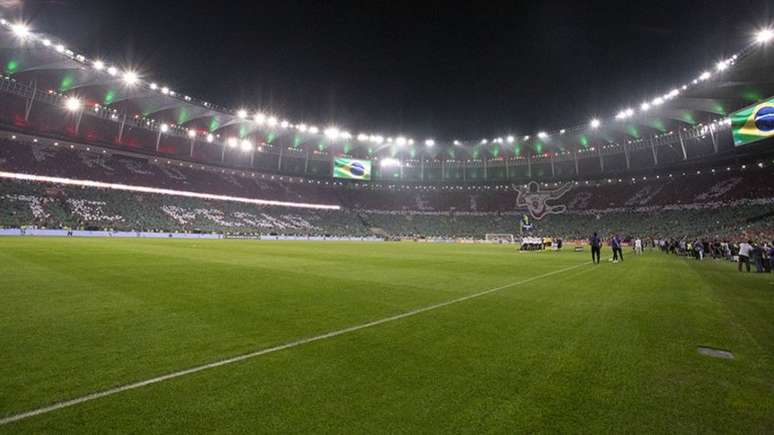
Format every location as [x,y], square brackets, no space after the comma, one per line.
[441,69]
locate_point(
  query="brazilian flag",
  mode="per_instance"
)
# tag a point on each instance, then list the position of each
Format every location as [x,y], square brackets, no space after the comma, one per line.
[352,169]
[753,123]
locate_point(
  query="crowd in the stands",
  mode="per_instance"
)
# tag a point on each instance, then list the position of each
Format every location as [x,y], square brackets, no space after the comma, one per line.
[720,205]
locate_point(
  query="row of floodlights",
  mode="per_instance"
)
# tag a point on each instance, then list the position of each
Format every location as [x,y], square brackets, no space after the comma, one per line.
[132,78]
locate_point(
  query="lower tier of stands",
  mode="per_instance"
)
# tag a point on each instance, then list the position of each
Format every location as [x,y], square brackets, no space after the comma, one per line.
[54,206]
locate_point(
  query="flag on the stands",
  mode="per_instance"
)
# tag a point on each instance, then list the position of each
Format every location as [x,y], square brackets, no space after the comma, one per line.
[753,123]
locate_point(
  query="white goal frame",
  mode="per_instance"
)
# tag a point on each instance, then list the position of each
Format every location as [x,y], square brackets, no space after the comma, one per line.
[499,238]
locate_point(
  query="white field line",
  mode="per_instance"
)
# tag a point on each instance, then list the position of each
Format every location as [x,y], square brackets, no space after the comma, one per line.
[223,362]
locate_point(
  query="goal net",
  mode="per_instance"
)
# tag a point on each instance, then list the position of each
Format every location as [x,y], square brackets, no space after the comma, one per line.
[499,238]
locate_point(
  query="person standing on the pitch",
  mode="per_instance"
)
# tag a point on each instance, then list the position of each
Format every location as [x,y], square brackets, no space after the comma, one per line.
[615,243]
[596,246]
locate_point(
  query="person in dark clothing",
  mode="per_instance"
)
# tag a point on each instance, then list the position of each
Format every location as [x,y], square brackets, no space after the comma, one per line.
[596,246]
[615,243]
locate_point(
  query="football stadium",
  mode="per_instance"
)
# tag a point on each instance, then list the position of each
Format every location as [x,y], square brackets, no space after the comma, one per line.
[179,262]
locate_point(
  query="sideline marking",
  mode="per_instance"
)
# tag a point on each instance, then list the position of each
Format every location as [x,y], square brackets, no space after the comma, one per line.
[195,369]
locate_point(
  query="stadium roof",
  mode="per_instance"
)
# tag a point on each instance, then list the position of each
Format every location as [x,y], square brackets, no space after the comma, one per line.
[30,56]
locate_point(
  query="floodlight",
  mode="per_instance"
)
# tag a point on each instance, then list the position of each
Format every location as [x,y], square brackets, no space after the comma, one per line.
[232,142]
[542,135]
[60,48]
[285,123]
[260,118]
[21,30]
[210,138]
[362,137]
[510,139]
[722,65]
[595,123]
[302,127]
[400,141]
[192,133]
[246,145]
[331,132]
[164,128]
[112,70]
[657,101]
[314,130]
[47,42]
[458,143]
[73,104]
[272,121]
[764,36]
[430,142]
[389,162]
[645,106]
[242,113]
[131,78]
[165,90]
[705,75]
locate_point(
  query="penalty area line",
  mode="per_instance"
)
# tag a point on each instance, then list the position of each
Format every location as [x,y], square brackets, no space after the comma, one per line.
[292,344]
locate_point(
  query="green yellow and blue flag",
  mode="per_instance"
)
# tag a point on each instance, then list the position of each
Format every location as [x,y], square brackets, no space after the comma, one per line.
[753,123]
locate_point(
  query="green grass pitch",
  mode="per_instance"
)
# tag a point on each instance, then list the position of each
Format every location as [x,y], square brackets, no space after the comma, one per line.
[592,349]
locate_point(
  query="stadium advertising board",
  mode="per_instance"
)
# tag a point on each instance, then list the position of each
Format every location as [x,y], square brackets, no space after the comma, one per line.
[352,169]
[753,123]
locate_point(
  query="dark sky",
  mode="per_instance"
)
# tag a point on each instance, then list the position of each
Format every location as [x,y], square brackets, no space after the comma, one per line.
[435,69]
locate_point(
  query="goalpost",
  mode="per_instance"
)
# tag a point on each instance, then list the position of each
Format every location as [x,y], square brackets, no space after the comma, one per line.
[499,238]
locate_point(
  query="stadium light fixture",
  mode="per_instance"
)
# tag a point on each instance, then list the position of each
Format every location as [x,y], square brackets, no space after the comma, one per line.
[242,114]
[430,143]
[645,106]
[705,75]
[246,145]
[657,101]
[484,142]
[131,78]
[285,123]
[331,133]
[210,138]
[232,142]
[98,65]
[73,104]
[164,128]
[154,86]
[562,131]
[764,36]
[192,133]
[272,121]
[302,127]
[314,130]
[346,135]
[510,139]
[60,48]
[47,42]
[165,90]
[260,118]
[112,71]
[457,143]
[362,137]
[401,141]
[722,65]
[21,30]
[526,137]
[595,123]
[542,135]
[389,162]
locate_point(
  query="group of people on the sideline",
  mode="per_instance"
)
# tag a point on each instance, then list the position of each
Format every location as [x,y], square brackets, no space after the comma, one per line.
[747,255]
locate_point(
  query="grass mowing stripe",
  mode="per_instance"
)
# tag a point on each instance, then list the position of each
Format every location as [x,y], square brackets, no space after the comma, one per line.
[139,384]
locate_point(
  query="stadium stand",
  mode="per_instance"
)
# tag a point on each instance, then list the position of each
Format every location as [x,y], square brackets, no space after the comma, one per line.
[724,203]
